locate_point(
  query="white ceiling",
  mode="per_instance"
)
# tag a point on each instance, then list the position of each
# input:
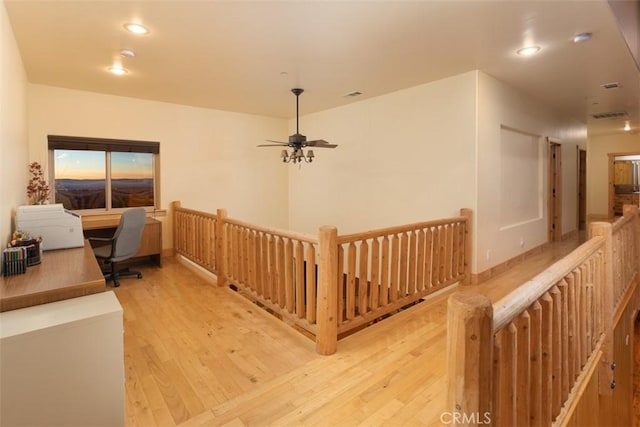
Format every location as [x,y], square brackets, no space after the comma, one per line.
[245,56]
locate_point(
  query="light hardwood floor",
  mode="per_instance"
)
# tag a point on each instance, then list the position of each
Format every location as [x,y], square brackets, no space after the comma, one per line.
[198,355]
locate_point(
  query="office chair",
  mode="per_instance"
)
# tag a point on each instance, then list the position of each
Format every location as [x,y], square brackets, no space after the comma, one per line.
[123,245]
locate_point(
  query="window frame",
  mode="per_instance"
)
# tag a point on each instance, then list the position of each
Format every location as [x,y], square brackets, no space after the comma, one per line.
[106,145]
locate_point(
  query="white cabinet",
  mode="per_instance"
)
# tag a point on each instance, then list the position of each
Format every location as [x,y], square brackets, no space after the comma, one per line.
[62,363]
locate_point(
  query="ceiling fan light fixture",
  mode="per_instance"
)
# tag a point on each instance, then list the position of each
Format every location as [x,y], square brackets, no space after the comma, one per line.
[297,141]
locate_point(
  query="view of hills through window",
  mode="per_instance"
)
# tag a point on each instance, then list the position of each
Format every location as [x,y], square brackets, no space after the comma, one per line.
[81,179]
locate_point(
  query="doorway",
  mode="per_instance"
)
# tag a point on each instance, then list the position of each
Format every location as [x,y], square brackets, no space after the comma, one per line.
[582,189]
[555,191]
[624,181]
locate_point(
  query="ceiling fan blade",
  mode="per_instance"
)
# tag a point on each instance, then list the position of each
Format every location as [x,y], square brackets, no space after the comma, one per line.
[272,145]
[277,142]
[320,143]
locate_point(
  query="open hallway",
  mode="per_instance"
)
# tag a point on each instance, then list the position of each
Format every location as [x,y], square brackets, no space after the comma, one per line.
[200,355]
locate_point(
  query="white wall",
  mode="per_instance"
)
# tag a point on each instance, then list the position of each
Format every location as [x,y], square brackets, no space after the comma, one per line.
[208,158]
[13,128]
[598,167]
[403,157]
[502,107]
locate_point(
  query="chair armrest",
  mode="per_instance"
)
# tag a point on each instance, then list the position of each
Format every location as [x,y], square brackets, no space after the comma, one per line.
[100,239]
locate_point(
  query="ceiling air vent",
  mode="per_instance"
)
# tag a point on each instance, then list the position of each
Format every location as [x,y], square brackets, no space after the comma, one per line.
[612,85]
[610,115]
[352,94]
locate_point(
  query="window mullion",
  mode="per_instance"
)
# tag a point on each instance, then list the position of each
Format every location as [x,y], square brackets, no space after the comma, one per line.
[107,183]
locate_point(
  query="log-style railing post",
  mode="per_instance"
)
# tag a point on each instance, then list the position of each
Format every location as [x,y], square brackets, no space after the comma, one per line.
[635,211]
[469,357]
[327,309]
[221,248]
[468,248]
[607,291]
[175,205]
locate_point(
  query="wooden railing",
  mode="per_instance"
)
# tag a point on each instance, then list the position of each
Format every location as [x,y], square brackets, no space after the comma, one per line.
[194,236]
[383,270]
[274,267]
[331,284]
[522,360]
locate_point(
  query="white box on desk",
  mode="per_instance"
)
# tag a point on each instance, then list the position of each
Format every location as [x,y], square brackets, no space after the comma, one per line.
[58,227]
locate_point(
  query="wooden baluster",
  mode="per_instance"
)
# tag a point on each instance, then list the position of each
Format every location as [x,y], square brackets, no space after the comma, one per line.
[264,265]
[245,259]
[384,283]
[411,282]
[546,303]
[428,256]
[504,385]
[442,255]
[273,269]
[375,274]
[455,250]
[311,284]
[535,407]
[556,353]
[522,324]
[435,274]
[221,243]
[606,288]
[572,356]
[466,241]
[298,263]
[363,294]
[394,282]
[404,258]
[448,259]
[351,281]
[564,340]
[420,261]
[289,291]
[280,274]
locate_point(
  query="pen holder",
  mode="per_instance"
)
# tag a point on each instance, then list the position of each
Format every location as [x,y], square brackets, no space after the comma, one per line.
[33,250]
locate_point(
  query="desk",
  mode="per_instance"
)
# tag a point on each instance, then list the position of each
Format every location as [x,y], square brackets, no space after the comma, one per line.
[150,246]
[62,274]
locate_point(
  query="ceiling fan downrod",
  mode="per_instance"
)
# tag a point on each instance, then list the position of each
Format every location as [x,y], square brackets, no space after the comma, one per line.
[297,91]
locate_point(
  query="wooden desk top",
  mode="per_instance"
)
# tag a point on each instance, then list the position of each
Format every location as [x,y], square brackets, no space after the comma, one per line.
[62,274]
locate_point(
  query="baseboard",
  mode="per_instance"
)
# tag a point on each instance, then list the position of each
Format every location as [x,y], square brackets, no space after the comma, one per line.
[483,276]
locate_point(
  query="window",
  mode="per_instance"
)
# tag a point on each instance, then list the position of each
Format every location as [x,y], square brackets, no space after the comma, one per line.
[95,173]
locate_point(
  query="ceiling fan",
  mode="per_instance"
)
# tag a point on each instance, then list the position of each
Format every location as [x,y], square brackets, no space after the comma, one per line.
[298,142]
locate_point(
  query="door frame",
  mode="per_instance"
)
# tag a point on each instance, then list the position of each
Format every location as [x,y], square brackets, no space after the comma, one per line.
[554,191]
[582,189]
[611,174]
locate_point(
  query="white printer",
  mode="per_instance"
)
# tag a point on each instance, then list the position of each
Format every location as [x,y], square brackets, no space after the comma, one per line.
[58,227]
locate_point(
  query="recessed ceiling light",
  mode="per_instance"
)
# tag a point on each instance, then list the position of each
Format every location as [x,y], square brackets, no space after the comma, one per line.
[127,53]
[627,127]
[528,50]
[136,28]
[352,94]
[582,37]
[117,70]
